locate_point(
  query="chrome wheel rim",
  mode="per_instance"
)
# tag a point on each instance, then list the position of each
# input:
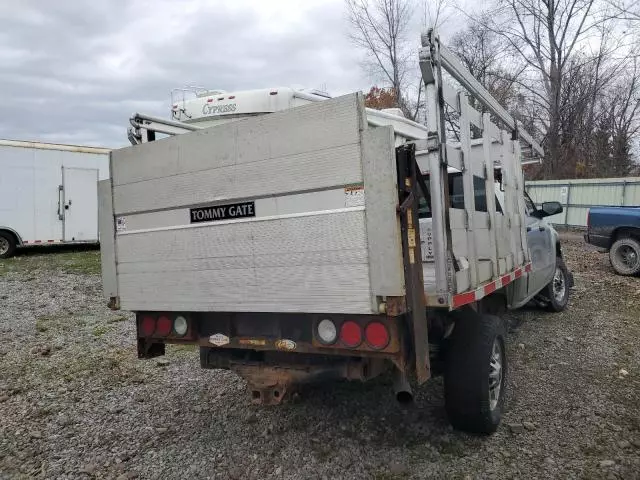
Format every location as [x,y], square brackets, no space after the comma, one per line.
[4,245]
[495,374]
[627,256]
[559,286]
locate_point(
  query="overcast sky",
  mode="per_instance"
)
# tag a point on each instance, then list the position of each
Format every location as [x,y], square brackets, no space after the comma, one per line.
[73,71]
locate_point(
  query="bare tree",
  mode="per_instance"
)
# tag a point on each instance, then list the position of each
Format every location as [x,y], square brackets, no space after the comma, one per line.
[545,35]
[435,12]
[484,54]
[380,28]
[626,9]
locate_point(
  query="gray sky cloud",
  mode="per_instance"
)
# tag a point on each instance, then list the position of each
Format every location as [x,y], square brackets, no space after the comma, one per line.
[73,71]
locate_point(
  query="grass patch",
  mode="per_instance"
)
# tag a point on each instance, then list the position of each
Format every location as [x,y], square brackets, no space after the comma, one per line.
[100,330]
[87,263]
[42,324]
[48,323]
[82,262]
[119,318]
[108,368]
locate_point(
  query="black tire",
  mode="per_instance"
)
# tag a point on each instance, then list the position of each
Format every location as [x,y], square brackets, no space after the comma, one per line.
[466,380]
[557,292]
[7,245]
[625,256]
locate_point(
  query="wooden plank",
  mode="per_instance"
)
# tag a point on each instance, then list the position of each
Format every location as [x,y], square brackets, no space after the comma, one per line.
[510,203]
[467,183]
[517,159]
[450,96]
[490,191]
[474,117]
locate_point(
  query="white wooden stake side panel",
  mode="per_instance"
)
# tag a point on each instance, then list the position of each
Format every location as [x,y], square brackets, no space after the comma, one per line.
[489,247]
[314,244]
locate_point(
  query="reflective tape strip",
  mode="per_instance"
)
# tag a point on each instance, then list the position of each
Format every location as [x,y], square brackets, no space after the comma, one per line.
[488,288]
[27,242]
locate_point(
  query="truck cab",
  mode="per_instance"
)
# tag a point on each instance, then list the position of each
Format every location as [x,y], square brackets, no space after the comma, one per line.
[616,230]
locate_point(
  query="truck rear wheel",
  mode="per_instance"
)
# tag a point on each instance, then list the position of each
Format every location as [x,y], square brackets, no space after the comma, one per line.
[625,256]
[7,245]
[475,373]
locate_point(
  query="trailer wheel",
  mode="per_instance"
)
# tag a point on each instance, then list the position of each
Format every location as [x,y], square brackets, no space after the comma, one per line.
[476,372]
[557,292]
[625,256]
[7,244]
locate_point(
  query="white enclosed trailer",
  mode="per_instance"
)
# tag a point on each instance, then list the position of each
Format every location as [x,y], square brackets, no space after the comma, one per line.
[332,240]
[48,193]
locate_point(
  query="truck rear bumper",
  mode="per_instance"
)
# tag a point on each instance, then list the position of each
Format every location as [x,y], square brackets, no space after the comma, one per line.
[271,376]
[600,241]
[265,332]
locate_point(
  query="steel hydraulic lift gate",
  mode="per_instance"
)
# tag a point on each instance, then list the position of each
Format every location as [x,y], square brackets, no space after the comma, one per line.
[465,271]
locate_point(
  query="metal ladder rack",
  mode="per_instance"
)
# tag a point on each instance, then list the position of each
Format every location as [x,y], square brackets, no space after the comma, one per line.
[488,238]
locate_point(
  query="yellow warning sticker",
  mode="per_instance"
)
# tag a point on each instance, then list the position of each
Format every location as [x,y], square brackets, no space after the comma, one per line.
[254,342]
[354,196]
[411,237]
[286,345]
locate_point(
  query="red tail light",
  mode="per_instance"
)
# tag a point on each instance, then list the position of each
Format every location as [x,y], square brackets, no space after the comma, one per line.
[164,326]
[588,218]
[351,334]
[147,326]
[377,335]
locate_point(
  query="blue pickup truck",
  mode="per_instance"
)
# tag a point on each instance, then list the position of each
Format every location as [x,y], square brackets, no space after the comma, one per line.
[616,229]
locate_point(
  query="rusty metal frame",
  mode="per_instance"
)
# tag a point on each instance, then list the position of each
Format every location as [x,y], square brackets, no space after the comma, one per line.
[409,191]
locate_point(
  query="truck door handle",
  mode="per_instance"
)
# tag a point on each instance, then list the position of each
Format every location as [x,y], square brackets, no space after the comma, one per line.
[542,229]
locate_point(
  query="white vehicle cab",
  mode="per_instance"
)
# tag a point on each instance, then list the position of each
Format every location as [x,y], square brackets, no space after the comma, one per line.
[294,236]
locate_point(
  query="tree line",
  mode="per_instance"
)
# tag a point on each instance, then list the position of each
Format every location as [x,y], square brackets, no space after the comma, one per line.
[565,69]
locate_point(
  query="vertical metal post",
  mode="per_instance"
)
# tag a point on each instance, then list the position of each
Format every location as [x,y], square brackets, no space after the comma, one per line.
[624,191]
[438,175]
[566,213]
[408,192]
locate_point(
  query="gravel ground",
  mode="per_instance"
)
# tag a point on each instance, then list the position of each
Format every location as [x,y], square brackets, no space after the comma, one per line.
[75,402]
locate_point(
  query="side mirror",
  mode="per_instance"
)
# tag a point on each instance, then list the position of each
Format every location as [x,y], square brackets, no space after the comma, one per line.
[549,208]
